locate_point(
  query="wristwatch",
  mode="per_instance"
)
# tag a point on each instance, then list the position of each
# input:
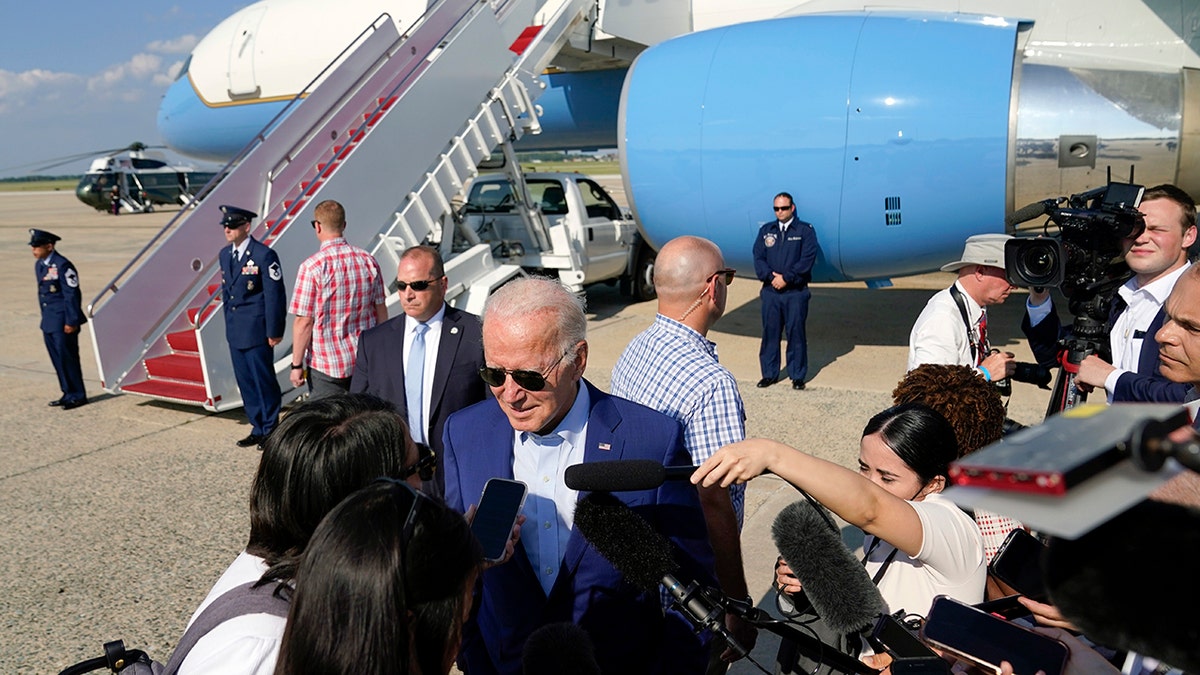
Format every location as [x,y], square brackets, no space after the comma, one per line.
[297,367]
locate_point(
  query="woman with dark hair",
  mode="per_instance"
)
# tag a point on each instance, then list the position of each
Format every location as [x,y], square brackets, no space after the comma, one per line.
[321,452]
[383,588]
[925,544]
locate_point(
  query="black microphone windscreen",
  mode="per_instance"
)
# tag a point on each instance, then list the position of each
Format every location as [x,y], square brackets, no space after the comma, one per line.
[1130,583]
[558,648]
[1028,212]
[836,584]
[620,475]
[625,539]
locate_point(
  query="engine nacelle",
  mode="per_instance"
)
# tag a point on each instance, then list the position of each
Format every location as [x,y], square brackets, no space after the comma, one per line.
[891,132]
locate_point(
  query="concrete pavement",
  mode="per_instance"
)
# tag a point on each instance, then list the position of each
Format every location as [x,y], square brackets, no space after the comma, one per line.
[121,514]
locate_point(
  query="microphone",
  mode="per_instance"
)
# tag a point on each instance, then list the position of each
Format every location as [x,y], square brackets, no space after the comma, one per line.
[623,475]
[1131,582]
[558,648]
[836,584]
[643,556]
[1031,211]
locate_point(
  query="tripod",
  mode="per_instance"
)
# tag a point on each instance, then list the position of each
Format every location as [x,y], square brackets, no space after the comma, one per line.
[1089,335]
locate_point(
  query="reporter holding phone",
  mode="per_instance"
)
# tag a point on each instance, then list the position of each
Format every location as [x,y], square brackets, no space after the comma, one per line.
[926,545]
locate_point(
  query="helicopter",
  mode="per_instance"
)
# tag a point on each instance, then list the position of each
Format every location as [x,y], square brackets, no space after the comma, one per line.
[135,179]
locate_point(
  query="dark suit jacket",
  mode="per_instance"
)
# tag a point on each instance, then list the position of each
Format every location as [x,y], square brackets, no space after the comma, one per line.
[379,370]
[625,624]
[1145,386]
[255,302]
[58,293]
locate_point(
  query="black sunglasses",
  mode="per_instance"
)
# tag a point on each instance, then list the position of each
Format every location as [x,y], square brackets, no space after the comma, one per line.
[529,380]
[314,224]
[425,466]
[406,490]
[416,285]
[783,208]
[728,272]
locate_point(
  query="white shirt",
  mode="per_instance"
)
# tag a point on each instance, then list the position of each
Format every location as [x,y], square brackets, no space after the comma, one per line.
[433,339]
[539,462]
[1129,330]
[243,645]
[939,334]
[950,561]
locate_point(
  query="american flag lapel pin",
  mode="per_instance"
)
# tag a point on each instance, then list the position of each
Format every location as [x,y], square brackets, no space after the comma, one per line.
[605,446]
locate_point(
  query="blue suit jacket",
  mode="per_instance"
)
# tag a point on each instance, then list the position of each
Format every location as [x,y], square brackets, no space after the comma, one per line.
[58,293]
[379,368]
[626,625]
[255,302]
[1145,386]
[792,254]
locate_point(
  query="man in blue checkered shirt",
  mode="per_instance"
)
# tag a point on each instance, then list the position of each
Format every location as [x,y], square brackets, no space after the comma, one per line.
[672,367]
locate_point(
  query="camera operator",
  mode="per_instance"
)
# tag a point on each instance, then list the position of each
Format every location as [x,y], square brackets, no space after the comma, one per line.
[1157,257]
[952,329]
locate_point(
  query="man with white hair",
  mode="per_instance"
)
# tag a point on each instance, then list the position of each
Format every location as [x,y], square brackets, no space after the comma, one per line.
[952,329]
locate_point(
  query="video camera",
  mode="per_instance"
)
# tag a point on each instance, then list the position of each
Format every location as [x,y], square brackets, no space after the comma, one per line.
[1085,259]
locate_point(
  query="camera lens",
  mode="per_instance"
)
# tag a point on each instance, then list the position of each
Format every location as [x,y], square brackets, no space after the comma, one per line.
[1035,262]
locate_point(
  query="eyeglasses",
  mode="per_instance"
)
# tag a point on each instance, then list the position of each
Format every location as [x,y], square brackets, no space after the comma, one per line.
[416,285]
[784,208]
[425,466]
[314,223]
[529,380]
[728,272]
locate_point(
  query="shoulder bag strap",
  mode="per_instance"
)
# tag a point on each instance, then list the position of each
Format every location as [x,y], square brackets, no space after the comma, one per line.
[237,601]
[962,309]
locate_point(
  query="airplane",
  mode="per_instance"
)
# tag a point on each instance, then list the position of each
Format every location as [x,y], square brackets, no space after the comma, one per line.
[900,126]
[139,179]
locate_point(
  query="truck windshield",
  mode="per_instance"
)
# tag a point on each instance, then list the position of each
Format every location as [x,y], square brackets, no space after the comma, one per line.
[497,197]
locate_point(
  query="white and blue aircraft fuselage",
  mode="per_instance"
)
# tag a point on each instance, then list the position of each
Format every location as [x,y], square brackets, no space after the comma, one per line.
[900,127]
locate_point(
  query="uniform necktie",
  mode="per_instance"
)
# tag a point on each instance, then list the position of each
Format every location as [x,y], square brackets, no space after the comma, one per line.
[414,384]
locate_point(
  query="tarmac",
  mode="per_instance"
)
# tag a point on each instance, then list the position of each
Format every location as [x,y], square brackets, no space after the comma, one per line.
[122,513]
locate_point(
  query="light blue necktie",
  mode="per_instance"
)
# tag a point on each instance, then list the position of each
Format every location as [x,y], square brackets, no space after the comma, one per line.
[414,384]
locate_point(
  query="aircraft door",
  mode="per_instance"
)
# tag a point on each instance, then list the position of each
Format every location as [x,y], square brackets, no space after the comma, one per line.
[926,140]
[242,80]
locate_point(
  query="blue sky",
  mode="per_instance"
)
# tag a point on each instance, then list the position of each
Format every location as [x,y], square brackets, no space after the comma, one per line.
[81,76]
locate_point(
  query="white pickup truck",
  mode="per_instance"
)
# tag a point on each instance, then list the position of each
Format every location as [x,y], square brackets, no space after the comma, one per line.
[569,227]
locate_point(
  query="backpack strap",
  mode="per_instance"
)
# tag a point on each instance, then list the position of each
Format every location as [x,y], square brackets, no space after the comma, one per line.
[237,601]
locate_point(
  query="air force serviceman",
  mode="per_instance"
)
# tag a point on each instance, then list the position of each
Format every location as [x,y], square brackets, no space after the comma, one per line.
[255,310]
[62,316]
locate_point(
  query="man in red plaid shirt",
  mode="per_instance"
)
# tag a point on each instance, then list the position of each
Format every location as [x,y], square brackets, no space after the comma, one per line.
[339,294]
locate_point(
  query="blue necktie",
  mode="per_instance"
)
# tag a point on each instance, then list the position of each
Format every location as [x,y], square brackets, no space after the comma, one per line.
[414,384]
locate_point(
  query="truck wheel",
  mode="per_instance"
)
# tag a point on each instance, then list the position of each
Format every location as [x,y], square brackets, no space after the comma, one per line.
[643,274]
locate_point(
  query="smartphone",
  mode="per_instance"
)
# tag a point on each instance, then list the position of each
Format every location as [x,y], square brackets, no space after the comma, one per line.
[898,639]
[1018,564]
[985,640]
[496,514]
[1007,608]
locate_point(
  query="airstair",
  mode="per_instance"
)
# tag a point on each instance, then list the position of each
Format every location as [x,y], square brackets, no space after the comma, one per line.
[393,132]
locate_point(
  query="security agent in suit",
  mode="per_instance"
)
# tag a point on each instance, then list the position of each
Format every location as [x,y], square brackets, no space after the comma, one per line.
[255,305]
[784,253]
[1158,258]
[62,316]
[452,345]
[544,418]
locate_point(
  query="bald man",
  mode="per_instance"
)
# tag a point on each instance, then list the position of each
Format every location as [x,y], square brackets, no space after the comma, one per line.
[672,367]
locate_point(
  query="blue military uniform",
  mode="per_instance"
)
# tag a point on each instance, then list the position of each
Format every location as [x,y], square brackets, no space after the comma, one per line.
[62,305]
[792,254]
[255,306]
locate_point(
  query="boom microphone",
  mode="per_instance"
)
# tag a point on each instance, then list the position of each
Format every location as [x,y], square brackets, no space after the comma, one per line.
[623,475]
[1031,211]
[1131,582]
[643,556]
[835,582]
